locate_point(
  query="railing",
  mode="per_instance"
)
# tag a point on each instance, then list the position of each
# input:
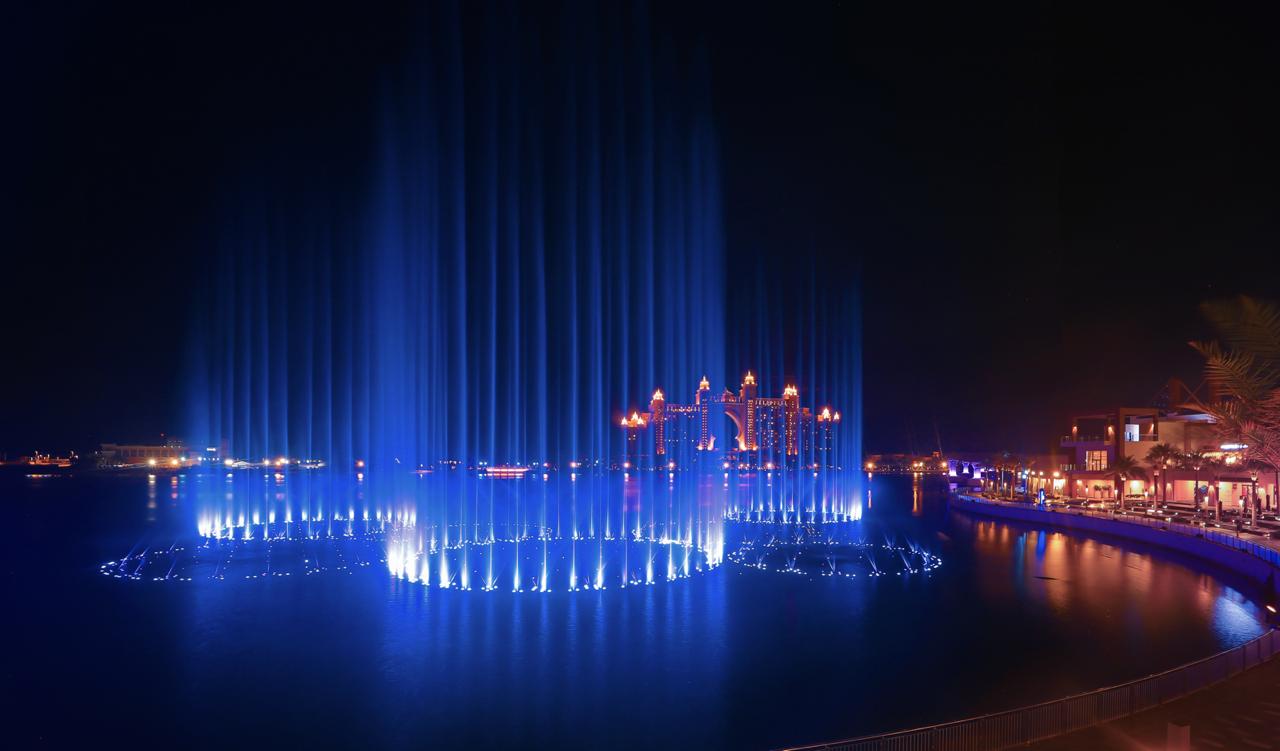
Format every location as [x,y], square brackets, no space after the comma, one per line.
[1269,554]
[1053,718]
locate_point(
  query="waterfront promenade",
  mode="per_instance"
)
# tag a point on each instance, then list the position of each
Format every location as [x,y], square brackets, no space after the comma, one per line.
[1199,535]
[1105,710]
[1241,713]
[1266,531]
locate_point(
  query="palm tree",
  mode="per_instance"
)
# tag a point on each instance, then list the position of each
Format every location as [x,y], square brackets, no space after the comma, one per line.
[1016,464]
[1007,461]
[998,462]
[1197,460]
[1162,456]
[1244,376]
[1125,467]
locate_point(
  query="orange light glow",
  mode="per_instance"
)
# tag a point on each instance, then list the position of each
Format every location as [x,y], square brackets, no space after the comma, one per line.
[635,421]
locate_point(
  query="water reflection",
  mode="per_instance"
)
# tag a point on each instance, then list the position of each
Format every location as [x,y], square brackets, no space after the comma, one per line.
[1097,584]
[359,658]
[536,531]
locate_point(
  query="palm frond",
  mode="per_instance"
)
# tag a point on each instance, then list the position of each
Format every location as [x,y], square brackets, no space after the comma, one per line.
[1236,374]
[1248,324]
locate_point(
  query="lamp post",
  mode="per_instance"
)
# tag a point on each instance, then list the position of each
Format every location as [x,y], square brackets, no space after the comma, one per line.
[1196,493]
[1164,489]
[1253,499]
[1156,473]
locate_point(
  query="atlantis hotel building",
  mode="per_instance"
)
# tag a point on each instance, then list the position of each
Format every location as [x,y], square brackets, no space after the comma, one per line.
[771,432]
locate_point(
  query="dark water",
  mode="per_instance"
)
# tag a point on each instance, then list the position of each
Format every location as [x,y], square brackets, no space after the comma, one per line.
[732,658]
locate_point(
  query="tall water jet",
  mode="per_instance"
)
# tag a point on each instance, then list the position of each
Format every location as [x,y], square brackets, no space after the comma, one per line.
[535,240]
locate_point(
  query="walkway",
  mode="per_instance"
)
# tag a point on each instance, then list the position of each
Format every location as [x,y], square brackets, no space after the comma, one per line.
[1241,713]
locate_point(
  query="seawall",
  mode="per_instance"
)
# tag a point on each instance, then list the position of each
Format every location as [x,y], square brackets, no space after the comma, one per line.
[1179,537]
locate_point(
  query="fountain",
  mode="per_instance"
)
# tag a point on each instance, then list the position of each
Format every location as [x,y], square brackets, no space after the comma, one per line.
[446,347]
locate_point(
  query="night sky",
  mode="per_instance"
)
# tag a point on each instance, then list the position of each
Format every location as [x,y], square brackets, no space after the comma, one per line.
[1038,196]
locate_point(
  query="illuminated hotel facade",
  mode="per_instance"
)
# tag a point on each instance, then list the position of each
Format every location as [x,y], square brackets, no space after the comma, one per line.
[771,432]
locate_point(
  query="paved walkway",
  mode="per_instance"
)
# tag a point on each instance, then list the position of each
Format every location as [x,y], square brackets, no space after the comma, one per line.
[1240,713]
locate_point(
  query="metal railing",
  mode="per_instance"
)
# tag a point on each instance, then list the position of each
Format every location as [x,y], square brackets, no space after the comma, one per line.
[1268,554]
[1070,439]
[1053,718]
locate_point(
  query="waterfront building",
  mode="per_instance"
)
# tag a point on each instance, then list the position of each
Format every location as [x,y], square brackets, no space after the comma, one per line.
[769,432]
[120,455]
[1097,441]
[901,463]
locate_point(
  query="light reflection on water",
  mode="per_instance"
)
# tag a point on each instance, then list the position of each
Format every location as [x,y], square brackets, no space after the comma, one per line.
[1016,614]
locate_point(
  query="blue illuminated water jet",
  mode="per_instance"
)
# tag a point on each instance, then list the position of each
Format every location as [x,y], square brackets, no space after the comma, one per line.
[535,242]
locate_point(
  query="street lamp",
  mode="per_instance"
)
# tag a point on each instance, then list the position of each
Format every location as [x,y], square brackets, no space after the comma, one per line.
[1196,489]
[1253,500]
[1164,489]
